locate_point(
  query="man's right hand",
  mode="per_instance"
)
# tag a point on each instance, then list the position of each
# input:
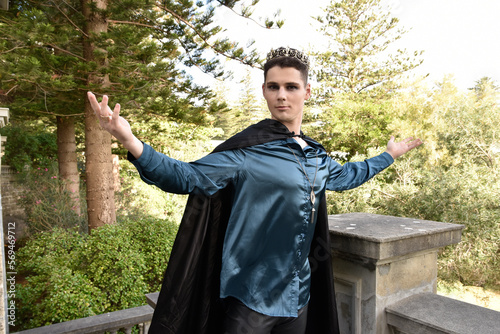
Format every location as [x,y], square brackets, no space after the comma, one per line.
[111,121]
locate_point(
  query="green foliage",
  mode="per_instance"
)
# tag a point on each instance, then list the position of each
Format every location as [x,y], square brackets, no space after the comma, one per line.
[467,196]
[359,33]
[154,239]
[46,201]
[51,264]
[52,53]
[71,275]
[473,126]
[47,56]
[453,178]
[348,127]
[116,267]
[27,147]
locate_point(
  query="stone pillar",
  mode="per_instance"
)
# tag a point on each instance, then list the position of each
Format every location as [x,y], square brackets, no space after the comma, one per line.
[379,260]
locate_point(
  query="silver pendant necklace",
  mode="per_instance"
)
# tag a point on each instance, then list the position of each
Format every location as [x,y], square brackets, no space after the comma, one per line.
[313,195]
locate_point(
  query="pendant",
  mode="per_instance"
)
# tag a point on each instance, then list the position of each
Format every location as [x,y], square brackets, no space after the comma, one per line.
[313,198]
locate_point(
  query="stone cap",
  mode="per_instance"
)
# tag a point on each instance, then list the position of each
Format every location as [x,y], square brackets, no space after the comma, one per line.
[429,313]
[381,237]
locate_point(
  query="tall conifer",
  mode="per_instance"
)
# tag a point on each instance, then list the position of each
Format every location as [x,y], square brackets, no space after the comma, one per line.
[53,52]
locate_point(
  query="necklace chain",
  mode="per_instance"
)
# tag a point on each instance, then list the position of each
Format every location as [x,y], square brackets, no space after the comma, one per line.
[313,195]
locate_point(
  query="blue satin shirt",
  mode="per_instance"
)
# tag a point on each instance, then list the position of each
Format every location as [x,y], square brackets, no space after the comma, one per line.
[265,255]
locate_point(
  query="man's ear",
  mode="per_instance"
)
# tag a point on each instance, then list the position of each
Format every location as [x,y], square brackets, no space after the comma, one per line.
[308,91]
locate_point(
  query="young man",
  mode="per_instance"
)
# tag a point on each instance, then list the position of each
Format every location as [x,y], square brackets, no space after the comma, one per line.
[252,252]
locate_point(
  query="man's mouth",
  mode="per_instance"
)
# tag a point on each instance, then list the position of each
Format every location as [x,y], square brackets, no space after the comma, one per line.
[282,107]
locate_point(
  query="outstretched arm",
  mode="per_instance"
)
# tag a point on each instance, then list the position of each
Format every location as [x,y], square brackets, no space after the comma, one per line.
[111,121]
[398,149]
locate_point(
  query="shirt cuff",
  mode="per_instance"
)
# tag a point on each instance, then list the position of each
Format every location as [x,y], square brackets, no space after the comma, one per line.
[145,157]
[388,158]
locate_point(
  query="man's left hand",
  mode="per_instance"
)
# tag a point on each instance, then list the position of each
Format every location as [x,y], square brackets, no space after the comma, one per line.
[398,149]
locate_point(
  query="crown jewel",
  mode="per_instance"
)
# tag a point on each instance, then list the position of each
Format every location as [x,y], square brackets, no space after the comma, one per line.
[288,52]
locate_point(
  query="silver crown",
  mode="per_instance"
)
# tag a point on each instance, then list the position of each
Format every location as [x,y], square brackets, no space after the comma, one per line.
[288,52]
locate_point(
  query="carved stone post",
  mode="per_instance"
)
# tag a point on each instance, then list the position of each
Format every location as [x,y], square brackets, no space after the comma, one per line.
[379,260]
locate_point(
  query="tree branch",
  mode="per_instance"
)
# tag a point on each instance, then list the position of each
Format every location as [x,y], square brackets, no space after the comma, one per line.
[389,195]
[135,23]
[246,17]
[70,21]
[194,63]
[198,33]
[17,47]
[66,51]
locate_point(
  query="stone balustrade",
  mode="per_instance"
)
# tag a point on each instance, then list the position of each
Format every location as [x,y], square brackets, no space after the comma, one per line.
[428,313]
[112,322]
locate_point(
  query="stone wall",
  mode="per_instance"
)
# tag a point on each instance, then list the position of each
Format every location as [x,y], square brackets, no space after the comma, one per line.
[12,212]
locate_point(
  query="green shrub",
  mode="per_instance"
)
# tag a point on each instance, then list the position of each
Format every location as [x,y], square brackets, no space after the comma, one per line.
[56,297]
[46,202]
[154,239]
[116,267]
[70,275]
[28,147]
[55,289]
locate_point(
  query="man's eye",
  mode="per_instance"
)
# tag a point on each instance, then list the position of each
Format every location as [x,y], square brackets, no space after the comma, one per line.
[273,87]
[292,87]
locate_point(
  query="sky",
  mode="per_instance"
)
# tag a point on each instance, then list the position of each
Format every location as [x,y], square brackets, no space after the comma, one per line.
[458,37]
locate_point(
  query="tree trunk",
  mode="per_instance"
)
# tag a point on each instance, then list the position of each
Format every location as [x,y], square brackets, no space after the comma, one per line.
[66,155]
[99,172]
[98,163]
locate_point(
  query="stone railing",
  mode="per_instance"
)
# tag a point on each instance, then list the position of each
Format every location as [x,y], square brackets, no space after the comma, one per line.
[434,314]
[385,279]
[114,322]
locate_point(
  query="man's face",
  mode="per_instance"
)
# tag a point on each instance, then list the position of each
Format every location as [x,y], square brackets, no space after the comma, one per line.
[285,92]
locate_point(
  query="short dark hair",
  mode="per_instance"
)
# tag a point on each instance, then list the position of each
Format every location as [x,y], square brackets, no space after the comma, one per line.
[283,62]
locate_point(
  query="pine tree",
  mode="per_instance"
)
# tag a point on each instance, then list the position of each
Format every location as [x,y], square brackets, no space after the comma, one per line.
[53,52]
[359,33]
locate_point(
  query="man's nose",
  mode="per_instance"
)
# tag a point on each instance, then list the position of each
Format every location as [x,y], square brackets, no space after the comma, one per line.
[281,93]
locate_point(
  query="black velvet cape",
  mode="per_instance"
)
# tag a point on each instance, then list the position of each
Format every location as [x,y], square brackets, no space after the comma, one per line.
[189,300]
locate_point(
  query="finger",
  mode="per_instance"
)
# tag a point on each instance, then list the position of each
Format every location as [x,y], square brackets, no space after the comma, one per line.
[93,103]
[104,106]
[106,112]
[116,112]
[416,143]
[407,139]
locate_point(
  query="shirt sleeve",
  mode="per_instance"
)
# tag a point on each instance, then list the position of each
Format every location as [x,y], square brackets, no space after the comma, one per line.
[353,174]
[206,176]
